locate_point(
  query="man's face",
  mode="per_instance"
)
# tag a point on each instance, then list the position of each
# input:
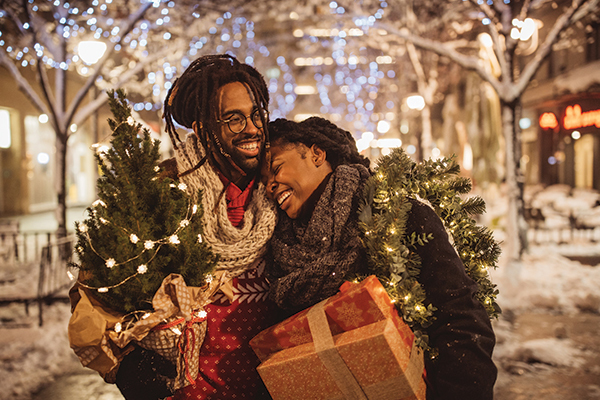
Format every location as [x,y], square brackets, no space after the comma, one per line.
[235,100]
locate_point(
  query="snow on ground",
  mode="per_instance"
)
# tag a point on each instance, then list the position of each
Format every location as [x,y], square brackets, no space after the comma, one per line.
[546,279]
[32,356]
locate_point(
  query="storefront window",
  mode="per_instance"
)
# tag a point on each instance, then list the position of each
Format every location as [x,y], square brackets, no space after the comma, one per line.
[5,131]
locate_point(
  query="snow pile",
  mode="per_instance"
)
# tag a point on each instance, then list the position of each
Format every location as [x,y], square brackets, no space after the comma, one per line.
[18,280]
[551,351]
[564,207]
[31,357]
[547,281]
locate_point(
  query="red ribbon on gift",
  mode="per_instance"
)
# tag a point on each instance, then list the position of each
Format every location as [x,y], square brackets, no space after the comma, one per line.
[188,336]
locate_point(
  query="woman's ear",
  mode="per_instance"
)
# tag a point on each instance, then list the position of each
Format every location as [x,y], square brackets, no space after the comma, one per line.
[319,156]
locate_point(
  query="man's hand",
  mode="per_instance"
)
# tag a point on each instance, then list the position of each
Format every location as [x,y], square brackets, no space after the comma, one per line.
[141,375]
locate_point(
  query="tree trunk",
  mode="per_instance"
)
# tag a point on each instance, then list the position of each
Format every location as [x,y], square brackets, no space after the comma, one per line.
[60,183]
[516,227]
[426,136]
[419,146]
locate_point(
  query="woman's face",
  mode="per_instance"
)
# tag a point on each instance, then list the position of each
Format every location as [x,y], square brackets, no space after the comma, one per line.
[296,171]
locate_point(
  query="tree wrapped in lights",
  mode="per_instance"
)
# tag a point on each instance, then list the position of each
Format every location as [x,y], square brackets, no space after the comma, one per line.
[143,227]
[383,217]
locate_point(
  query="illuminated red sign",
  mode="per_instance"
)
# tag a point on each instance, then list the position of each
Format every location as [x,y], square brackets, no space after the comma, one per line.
[575,119]
[548,120]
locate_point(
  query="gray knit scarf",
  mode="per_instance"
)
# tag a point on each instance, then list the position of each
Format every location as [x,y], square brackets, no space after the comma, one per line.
[310,260]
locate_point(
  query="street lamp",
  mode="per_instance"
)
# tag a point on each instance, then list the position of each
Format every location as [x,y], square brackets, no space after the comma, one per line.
[415,102]
[91,51]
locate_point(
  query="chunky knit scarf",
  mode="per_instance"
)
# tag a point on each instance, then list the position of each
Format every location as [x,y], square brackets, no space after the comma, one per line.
[238,248]
[309,261]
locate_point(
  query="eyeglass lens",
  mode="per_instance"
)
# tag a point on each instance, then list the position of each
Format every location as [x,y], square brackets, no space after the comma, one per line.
[237,122]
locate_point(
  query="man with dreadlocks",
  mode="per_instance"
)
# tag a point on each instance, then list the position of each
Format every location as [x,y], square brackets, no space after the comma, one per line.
[224,103]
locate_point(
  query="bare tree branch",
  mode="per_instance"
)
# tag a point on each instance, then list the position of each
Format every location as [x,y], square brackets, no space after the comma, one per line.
[43,38]
[532,66]
[500,7]
[587,8]
[538,3]
[15,18]
[41,70]
[495,35]
[126,27]
[22,83]
[524,10]
[467,62]
[418,67]
[84,112]
[487,10]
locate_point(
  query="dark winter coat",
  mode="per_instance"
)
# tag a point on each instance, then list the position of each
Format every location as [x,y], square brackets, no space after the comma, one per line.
[462,332]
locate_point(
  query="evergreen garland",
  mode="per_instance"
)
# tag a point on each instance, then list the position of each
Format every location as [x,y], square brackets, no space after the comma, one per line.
[143,227]
[383,216]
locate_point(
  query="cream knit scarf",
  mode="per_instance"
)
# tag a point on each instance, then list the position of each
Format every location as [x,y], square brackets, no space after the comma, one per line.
[238,248]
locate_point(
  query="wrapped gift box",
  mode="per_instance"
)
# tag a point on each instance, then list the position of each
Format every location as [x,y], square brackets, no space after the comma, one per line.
[356,305]
[350,346]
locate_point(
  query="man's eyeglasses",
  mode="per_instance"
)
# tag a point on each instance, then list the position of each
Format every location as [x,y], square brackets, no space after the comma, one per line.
[237,121]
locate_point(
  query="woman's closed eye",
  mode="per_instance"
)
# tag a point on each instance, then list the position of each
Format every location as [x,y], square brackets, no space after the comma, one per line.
[275,168]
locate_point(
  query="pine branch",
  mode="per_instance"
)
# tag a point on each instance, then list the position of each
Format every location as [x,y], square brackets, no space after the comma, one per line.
[383,214]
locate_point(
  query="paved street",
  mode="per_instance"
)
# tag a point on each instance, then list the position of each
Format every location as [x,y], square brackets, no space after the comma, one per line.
[86,385]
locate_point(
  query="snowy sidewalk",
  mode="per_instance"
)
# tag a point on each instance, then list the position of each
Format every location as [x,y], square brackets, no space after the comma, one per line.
[85,385]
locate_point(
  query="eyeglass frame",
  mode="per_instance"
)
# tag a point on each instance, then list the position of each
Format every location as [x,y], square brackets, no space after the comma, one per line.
[245,119]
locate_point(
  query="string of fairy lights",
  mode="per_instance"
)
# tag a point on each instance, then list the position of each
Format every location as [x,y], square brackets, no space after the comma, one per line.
[148,244]
[229,33]
[349,92]
[99,21]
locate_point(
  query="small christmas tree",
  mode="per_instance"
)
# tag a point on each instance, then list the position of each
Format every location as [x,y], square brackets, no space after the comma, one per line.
[143,227]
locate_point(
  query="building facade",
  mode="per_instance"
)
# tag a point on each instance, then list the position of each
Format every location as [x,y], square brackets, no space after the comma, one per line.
[561,110]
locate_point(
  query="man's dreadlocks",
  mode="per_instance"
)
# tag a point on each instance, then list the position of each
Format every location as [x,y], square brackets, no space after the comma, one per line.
[338,144]
[192,98]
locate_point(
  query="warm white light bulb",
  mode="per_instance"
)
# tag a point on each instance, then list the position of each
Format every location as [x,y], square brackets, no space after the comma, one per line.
[91,51]
[99,203]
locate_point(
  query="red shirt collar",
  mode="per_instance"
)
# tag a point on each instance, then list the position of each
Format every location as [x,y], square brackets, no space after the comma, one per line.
[237,199]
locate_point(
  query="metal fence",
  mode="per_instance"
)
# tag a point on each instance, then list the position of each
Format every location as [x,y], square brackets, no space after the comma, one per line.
[22,247]
[27,257]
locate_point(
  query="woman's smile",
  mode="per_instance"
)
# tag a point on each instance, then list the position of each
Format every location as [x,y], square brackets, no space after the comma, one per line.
[296,171]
